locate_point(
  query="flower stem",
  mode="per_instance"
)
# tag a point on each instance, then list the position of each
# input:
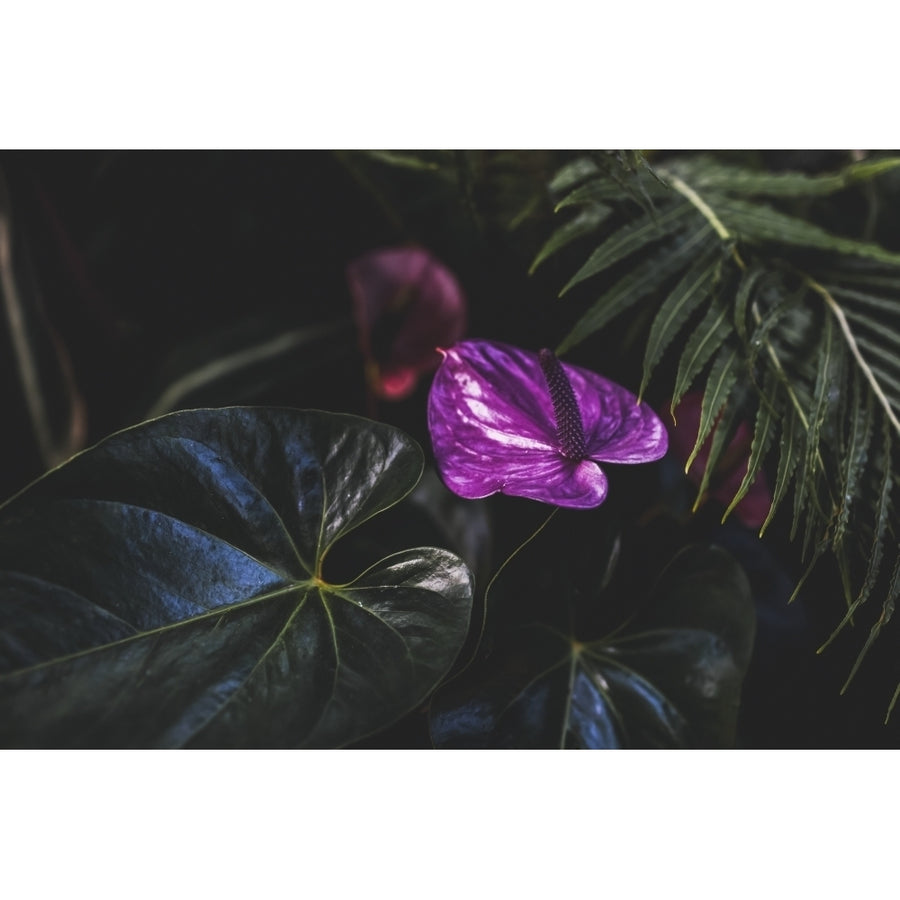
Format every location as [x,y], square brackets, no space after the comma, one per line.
[487,590]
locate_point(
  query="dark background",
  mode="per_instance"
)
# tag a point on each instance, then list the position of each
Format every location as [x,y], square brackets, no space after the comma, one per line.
[143,265]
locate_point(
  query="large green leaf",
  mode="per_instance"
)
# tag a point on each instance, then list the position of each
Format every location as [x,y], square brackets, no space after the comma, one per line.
[165,589]
[671,680]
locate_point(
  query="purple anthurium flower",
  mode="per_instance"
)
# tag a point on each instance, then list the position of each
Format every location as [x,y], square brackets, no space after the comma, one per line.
[521,423]
[405,303]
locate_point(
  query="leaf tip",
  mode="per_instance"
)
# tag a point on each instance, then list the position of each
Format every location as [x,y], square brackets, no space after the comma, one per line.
[768,521]
[690,459]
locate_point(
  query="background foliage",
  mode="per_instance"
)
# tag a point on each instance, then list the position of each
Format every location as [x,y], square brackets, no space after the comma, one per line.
[146,283]
[791,324]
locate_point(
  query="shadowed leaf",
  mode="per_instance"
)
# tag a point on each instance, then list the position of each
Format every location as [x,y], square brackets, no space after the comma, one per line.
[165,589]
[672,680]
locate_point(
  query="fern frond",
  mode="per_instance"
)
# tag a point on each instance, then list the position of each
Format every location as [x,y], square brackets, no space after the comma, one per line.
[705,340]
[768,421]
[856,456]
[877,552]
[890,385]
[757,222]
[589,194]
[808,473]
[812,318]
[724,430]
[779,306]
[695,287]
[403,159]
[709,174]
[635,236]
[571,175]
[587,221]
[745,291]
[721,380]
[877,327]
[864,300]
[887,610]
[606,176]
[635,286]
[854,345]
[791,447]
[821,547]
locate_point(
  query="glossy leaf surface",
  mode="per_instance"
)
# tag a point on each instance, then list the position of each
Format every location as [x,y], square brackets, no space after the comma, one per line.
[165,589]
[672,679]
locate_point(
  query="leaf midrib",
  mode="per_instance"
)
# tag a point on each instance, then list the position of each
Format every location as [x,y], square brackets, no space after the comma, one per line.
[219,611]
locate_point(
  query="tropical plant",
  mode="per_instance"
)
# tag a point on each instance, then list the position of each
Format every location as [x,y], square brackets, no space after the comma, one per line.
[784,322]
[230,565]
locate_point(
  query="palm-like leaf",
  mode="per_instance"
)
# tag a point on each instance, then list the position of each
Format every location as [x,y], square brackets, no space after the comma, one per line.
[809,317]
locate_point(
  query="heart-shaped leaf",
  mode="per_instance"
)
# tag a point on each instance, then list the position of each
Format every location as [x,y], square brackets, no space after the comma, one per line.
[165,589]
[673,679]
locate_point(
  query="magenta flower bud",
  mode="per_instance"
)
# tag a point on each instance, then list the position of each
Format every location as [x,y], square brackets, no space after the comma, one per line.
[516,422]
[405,303]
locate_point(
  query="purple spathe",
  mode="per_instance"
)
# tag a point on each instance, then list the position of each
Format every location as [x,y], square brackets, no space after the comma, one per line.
[494,428]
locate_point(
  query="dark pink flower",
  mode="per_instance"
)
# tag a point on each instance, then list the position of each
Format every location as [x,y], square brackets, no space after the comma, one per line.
[521,423]
[406,304]
[731,468]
